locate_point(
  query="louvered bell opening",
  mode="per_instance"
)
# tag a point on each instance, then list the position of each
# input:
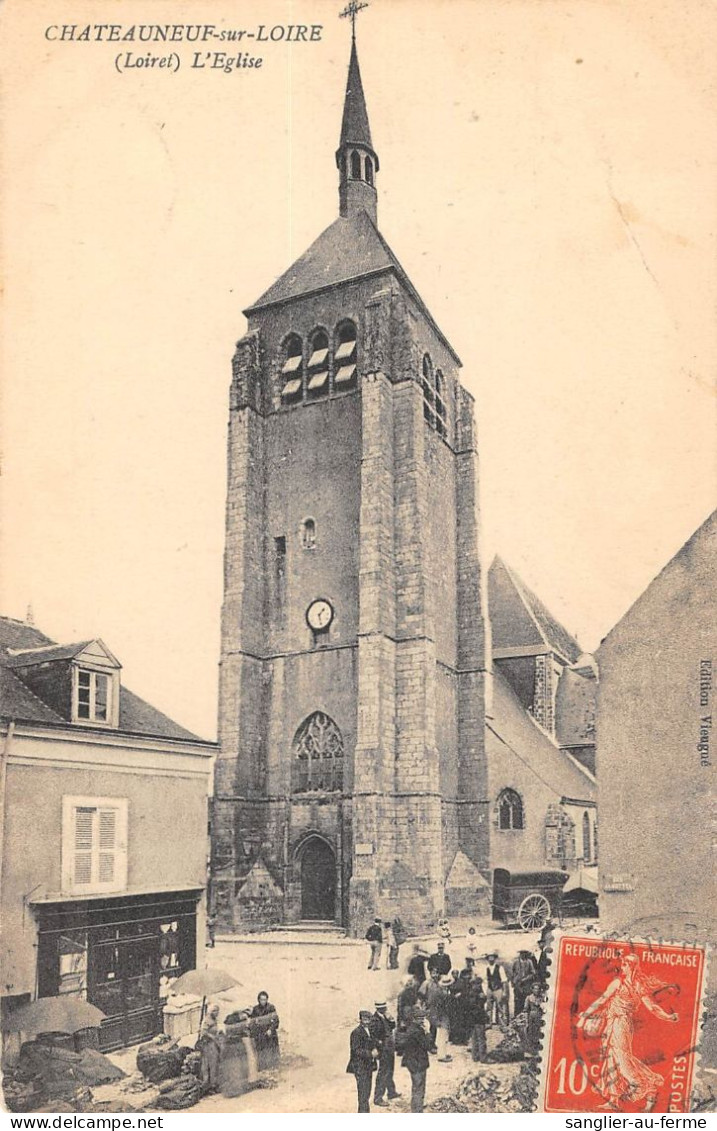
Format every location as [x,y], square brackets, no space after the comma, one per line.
[346,350]
[318,358]
[345,376]
[292,390]
[291,364]
[319,382]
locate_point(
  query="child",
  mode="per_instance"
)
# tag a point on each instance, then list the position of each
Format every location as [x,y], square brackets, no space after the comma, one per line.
[444,931]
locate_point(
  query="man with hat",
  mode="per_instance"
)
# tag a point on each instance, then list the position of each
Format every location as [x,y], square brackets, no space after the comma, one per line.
[382,1026]
[522,975]
[440,961]
[416,1045]
[362,1059]
[496,990]
[374,937]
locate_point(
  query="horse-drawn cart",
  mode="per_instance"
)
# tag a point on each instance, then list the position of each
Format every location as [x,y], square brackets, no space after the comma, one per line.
[527,899]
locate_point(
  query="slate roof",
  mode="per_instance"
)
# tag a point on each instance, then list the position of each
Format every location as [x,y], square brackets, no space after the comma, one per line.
[44,653]
[350,248]
[354,124]
[520,619]
[18,702]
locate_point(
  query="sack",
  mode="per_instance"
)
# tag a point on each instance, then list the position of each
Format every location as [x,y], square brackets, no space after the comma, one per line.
[594,1025]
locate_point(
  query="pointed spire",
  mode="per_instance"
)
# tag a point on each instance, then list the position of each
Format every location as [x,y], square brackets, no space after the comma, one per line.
[354,126]
[355,157]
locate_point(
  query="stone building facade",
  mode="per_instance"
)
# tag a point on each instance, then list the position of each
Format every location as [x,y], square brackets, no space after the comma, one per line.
[352,776]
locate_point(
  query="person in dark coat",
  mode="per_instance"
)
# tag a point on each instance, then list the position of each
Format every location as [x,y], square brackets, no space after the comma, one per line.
[264,1023]
[408,997]
[363,1054]
[417,964]
[478,1020]
[237,1066]
[374,937]
[522,974]
[440,961]
[543,963]
[459,1012]
[416,1044]
[381,1028]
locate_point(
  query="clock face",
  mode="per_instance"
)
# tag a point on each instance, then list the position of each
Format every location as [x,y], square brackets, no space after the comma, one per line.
[320,614]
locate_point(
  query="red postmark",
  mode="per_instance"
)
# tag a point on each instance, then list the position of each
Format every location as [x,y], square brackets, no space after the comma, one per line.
[623,1026]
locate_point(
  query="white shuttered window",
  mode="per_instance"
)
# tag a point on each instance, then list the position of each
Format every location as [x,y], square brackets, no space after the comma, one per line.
[94,844]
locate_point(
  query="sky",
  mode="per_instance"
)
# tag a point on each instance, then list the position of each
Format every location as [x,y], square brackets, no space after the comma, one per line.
[547,179]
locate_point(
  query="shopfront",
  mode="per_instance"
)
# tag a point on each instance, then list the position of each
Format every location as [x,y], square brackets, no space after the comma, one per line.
[119,953]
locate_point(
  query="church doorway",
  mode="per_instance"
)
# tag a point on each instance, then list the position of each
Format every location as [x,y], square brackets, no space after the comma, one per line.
[318,880]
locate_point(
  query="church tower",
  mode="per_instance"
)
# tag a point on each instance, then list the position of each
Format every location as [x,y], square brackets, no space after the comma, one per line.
[351,780]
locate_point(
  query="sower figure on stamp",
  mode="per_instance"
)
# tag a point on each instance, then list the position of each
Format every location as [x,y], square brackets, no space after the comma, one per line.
[363,1054]
[382,1027]
[624,1078]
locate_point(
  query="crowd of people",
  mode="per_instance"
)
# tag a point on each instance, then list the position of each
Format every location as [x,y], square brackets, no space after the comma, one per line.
[442,1005]
[235,1052]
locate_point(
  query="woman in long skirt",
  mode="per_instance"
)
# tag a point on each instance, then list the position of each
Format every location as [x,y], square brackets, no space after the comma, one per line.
[264,1028]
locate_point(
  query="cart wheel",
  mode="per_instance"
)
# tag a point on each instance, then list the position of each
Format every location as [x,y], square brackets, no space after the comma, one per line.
[533,912]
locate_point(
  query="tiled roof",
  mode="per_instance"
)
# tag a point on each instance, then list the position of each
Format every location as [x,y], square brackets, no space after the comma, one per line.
[350,248]
[520,619]
[18,702]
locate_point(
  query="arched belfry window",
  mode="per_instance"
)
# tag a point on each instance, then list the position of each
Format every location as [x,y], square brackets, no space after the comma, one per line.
[292,370]
[318,755]
[318,365]
[345,357]
[509,809]
[368,164]
[356,165]
[429,411]
[441,405]
[587,838]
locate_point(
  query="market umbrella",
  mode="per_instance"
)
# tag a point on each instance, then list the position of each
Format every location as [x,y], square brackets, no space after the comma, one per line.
[204,984]
[63,1014]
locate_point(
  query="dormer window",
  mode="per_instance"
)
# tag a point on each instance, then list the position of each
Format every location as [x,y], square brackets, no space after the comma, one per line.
[95,687]
[93,696]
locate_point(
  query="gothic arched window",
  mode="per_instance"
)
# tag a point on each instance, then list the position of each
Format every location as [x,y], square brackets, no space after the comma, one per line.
[345,357]
[356,165]
[429,400]
[369,171]
[292,370]
[441,406]
[510,809]
[318,755]
[318,367]
[587,847]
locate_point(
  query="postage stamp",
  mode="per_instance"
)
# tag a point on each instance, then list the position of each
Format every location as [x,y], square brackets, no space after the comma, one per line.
[621,1025]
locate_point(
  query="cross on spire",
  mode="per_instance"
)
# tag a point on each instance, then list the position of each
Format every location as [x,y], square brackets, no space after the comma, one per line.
[351,11]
